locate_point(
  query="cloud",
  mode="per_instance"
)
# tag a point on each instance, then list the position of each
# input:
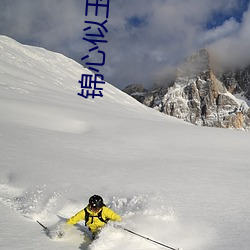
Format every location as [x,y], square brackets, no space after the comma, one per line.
[233,49]
[228,28]
[146,38]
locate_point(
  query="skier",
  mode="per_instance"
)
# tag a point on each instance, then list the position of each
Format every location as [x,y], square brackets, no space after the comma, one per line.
[95,214]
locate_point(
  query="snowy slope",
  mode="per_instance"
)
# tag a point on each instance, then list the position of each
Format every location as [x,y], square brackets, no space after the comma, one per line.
[182,185]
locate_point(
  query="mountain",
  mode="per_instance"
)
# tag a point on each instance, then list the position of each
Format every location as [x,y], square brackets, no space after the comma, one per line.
[182,185]
[202,97]
[237,81]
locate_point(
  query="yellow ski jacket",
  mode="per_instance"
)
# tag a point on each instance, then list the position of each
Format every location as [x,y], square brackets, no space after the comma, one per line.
[94,223]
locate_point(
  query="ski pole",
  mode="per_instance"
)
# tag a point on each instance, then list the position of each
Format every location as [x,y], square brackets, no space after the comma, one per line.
[45,228]
[146,238]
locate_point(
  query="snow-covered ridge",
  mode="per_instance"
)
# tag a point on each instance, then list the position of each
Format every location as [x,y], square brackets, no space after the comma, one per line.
[35,66]
[38,74]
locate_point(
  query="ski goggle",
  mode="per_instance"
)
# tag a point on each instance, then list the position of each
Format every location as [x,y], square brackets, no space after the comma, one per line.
[94,208]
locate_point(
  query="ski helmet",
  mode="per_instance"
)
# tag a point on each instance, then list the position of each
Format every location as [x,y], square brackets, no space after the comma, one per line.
[95,202]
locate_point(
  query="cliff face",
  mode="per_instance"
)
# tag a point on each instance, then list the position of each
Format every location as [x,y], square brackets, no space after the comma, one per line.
[237,81]
[201,97]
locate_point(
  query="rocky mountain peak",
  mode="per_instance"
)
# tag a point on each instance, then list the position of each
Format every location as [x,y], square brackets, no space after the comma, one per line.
[196,64]
[202,97]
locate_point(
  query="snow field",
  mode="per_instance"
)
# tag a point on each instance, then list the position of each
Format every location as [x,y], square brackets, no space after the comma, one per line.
[181,185]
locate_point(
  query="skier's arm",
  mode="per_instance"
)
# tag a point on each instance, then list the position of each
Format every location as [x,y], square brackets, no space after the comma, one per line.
[77,217]
[110,214]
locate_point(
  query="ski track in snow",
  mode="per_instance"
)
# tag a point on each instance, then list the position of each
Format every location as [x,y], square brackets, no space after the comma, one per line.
[43,117]
[145,214]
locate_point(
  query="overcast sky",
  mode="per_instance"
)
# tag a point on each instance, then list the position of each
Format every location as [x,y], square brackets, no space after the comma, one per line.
[146,38]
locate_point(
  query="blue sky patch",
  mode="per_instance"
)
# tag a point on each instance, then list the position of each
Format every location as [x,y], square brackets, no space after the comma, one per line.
[136,21]
[219,17]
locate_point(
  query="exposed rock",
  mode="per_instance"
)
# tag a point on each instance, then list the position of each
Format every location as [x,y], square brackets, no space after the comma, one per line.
[201,97]
[133,88]
[237,81]
[137,91]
